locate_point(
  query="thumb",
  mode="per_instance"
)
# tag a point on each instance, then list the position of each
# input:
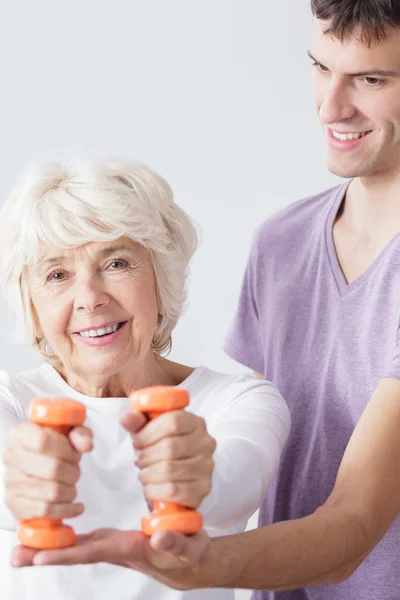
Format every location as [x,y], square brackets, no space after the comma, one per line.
[187,548]
[22,556]
[82,439]
[133,421]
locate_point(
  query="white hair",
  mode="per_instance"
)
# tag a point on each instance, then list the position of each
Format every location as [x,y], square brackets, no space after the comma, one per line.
[71,204]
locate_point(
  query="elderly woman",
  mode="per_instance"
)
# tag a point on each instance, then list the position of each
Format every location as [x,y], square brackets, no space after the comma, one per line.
[94,262]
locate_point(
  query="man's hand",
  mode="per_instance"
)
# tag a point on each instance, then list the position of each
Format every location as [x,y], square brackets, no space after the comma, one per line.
[169,557]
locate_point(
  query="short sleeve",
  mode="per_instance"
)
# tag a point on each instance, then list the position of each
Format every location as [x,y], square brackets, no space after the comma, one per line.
[394,369]
[243,342]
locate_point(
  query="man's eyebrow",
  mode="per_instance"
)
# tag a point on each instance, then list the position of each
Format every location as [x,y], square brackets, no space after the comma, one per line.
[313,58]
[371,73]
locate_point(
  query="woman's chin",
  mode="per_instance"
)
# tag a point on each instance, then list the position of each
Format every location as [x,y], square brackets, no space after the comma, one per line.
[104,365]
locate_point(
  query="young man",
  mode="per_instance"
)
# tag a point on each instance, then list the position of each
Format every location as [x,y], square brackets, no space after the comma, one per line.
[319,315]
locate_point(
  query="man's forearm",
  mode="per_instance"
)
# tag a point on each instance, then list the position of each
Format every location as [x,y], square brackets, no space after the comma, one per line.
[320,549]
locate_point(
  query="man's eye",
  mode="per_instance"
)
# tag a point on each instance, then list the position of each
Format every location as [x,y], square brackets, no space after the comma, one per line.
[320,67]
[373,81]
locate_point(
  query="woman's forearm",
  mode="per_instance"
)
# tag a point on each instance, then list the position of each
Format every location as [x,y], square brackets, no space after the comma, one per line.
[239,466]
[251,432]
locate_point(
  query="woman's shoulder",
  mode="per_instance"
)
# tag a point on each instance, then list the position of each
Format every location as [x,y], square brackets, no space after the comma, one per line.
[18,389]
[207,383]
[241,400]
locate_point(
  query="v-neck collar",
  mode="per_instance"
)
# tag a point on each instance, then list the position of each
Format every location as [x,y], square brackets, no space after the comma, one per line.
[345,288]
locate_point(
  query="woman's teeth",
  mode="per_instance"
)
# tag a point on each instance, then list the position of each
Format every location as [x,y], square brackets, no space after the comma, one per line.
[102,331]
[343,137]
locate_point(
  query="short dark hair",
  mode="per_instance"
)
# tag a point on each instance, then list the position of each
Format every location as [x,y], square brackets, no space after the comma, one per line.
[368,20]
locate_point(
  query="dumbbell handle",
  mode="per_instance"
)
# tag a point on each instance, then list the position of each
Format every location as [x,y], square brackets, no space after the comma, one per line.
[60,415]
[154,402]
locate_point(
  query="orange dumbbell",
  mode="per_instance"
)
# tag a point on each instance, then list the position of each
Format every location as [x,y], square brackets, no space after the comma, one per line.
[62,415]
[170,516]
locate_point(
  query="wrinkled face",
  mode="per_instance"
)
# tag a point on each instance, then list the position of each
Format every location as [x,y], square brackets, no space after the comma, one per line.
[356,90]
[96,305]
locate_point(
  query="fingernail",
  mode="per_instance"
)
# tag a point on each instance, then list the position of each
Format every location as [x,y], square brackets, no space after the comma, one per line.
[167,545]
[83,435]
[136,441]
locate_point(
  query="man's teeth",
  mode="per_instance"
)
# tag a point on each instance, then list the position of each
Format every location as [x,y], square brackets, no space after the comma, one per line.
[343,137]
[102,331]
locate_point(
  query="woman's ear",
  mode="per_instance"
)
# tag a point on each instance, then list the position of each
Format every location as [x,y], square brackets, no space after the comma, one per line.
[39,332]
[38,328]
[160,308]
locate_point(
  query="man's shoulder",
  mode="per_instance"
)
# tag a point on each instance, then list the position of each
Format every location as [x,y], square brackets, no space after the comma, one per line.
[299,220]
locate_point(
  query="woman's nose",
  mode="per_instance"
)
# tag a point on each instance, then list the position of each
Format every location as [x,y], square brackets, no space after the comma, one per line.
[90,295]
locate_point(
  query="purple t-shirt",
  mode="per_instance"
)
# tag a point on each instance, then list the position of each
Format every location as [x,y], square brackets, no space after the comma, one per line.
[326,345]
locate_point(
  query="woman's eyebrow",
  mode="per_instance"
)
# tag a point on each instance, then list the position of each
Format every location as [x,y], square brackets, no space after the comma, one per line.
[115,249]
[53,260]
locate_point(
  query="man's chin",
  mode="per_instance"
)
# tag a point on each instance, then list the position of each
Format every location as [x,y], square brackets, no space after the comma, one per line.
[343,170]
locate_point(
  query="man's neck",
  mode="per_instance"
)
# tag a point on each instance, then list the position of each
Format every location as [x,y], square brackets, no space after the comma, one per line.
[372,209]
[367,221]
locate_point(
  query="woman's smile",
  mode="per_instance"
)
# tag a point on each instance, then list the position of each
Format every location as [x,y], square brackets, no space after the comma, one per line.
[101,336]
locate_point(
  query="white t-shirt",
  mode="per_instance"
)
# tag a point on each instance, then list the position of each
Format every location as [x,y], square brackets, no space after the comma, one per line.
[250,422]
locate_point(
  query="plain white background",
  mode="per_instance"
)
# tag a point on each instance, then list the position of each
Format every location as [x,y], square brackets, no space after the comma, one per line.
[215,95]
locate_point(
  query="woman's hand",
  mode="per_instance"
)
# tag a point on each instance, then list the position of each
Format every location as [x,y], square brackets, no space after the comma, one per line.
[42,469]
[174,455]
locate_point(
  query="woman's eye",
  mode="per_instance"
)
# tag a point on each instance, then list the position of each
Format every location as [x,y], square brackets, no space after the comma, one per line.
[118,264]
[56,276]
